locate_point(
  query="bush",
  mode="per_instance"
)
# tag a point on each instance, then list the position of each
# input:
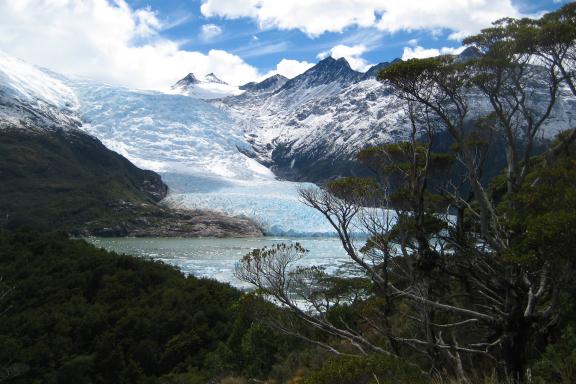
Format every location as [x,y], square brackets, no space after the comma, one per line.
[373,369]
[558,363]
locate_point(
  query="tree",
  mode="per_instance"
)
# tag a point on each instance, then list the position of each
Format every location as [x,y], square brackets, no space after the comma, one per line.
[453,281]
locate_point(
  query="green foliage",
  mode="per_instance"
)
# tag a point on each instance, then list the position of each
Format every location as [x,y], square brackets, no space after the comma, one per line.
[412,69]
[558,363]
[354,188]
[553,31]
[373,369]
[82,315]
[542,215]
[60,181]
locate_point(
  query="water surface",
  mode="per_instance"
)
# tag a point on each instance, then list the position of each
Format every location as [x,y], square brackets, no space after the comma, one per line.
[217,258]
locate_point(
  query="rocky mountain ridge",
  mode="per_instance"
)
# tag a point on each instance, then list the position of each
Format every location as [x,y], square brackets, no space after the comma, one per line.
[311,128]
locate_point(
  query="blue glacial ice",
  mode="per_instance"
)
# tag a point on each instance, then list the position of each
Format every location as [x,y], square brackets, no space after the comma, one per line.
[194,146]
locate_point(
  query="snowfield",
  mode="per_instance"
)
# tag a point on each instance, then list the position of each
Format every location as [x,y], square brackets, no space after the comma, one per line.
[28,93]
[195,147]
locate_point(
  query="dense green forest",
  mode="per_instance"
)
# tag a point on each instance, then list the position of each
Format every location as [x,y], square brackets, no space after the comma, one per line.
[71,313]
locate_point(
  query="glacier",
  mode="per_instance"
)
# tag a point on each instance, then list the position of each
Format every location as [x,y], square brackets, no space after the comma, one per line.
[200,153]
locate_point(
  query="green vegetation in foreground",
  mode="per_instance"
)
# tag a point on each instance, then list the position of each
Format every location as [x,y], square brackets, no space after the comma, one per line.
[77,314]
[73,313]
[469,282]
[63,180]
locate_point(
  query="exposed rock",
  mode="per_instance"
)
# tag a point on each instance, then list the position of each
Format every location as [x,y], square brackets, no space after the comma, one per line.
[165,222]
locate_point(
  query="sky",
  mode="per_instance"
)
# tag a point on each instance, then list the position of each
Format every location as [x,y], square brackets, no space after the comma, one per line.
[150,44]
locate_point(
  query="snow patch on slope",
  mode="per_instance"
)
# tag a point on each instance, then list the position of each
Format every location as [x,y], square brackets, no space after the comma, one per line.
[27,83]
[27,93]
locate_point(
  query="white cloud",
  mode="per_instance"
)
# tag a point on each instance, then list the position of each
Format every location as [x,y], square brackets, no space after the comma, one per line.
[289,68]
[315,17]
[108,42]
[413,42]
[352,54]
[261,49]
[210,31]
[421,52]
[312,16]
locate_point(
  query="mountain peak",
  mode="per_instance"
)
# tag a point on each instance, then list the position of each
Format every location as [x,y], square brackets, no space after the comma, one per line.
[327,71]
[372,73]
[330,61]
[212,78]
[269,84]
[187,80]
[469,54]
[190,78]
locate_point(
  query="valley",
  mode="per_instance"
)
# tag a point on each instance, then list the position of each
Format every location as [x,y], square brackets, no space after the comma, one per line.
[301,192]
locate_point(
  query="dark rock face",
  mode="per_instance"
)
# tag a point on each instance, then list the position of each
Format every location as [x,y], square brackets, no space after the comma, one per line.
[67,180]
[189,79]
[154,186]
[270,84]
[326,71]
[469,53]
[145,220]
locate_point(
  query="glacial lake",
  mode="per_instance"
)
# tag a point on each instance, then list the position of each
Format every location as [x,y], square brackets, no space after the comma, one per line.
[217,258]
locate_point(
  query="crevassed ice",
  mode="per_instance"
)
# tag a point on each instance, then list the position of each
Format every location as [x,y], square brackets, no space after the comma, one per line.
[195,148]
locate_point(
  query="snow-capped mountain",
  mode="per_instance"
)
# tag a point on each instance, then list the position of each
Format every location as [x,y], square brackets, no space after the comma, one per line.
[312,126]
[30,97]
[210,87]
[316,121]
[212,78]
[268,85]
[194,146]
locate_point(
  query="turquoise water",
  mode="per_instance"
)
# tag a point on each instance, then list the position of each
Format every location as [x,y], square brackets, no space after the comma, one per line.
[217,258]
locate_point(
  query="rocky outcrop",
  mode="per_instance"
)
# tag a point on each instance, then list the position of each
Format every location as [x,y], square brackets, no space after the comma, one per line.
[146,220]
[67,180]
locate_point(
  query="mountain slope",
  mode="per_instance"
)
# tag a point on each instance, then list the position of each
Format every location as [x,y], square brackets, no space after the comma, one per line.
[55,176]
[311,128]
[271,84]
[64,180]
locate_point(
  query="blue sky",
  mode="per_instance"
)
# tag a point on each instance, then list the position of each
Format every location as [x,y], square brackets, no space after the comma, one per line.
[152,43]
[265,47]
